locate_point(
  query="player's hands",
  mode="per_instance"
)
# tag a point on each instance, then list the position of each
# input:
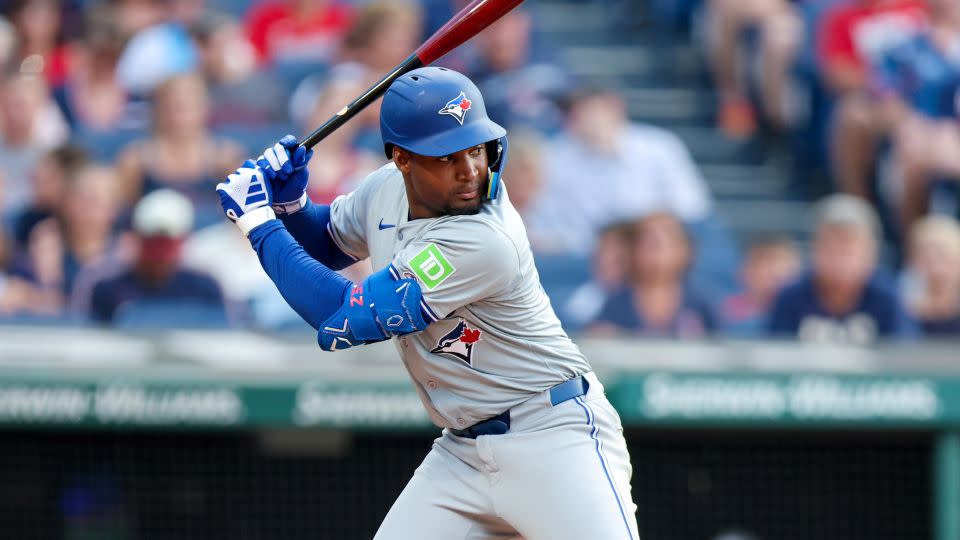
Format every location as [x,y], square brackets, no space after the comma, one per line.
[284,165]
[246,197]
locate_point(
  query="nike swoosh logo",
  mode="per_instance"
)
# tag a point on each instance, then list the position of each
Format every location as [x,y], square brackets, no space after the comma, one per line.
[387,226]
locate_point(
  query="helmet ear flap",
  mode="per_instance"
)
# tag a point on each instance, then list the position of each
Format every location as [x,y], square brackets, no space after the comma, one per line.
[497,158]
[494,153]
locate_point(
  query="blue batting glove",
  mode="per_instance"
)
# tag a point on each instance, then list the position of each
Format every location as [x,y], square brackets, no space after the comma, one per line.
[284,165]
[246,197]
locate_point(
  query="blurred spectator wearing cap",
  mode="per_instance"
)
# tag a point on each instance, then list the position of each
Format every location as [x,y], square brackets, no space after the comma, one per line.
[520,86]
[842,299]
[157,51]
[181,153]
[932,283]
[298,31]
[780,36]
[49,185]
[161,222]
[30,125]
[770,263]
[238,94]
[80,233]
[656,301]
[607,169]
[854,36]
[38,24]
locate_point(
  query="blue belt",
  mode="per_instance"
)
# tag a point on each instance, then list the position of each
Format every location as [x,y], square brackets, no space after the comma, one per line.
[500,424]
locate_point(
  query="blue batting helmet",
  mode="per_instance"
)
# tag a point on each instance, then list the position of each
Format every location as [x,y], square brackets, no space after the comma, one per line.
[435,111]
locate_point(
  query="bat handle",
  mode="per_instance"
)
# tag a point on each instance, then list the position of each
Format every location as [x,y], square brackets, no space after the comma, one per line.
[357,105]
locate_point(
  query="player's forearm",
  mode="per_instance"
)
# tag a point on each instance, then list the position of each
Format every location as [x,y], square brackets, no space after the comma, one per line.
[312,289]
[309,228]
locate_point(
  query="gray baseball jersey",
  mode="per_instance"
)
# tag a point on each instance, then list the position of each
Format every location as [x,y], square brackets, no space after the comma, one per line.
[562,471]
[494,340]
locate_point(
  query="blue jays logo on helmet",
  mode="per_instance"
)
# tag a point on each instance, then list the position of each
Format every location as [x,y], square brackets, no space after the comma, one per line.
[457,107]
[459,342]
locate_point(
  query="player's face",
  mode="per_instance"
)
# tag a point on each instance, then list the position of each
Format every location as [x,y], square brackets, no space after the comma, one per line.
[445,185]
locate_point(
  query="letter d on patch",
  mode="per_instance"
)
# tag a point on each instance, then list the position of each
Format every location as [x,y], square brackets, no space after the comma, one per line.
[431,266]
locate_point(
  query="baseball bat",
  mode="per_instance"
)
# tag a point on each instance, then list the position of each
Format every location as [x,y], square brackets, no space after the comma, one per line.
[469,22]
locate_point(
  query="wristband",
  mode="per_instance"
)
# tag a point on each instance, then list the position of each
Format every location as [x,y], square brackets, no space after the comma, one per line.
[250,220]
[292,206]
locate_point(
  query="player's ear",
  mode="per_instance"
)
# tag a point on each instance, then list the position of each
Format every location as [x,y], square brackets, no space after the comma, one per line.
[402,159]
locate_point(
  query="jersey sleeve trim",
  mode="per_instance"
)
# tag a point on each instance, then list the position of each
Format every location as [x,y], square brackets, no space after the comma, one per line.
[428,311]
[425,308]
[339,244]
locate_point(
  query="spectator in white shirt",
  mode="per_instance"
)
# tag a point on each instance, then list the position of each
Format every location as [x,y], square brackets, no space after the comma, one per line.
[30,125]
[606,168]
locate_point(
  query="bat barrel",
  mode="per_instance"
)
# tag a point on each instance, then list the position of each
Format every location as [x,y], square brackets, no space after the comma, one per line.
[469,22]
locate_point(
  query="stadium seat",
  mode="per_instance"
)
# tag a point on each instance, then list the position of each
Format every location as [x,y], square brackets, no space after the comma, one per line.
[26,319]
[237,8]
[716,257]
[150,314]
[560,276]
[105,146]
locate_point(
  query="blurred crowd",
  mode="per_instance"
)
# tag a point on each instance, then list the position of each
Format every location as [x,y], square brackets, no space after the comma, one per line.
[118,118]
[868,93]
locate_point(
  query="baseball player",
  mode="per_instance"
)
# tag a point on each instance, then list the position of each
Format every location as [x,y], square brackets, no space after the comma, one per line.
[531,448]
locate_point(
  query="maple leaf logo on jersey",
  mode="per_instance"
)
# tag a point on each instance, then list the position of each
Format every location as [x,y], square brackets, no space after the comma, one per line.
[457,107]
[459,342]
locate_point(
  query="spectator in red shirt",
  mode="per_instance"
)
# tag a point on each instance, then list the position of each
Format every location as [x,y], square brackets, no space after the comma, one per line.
[298,30]
[853,37]
[37,23]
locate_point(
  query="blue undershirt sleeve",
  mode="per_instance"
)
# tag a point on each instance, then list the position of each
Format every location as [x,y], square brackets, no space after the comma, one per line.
[312,289]
[309,228]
